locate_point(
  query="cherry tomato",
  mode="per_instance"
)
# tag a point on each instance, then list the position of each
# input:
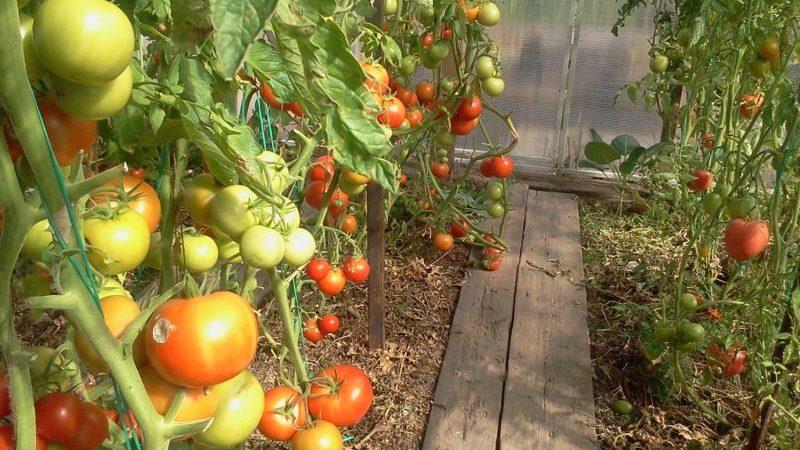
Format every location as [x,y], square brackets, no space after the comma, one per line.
[751,105]
[440,170]
[426,92]
[427,40]
[447,32]
[317,269]
[92,431]
[407,96]
[469,108]
[58,416]
[311,330]
[284,413]
[414,117]
[349,224]
[460,229]
[708,140]
[356,270]
[322,169]
[342,395]
[746,239]
[502,166]
[443,241]
[462,127]
[323,435]
[338,203]
[703,180]
[333,282]
[393,114]
[329,323]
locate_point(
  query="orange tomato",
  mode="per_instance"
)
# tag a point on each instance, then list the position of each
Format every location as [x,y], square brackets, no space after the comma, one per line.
[349,224]
[322,436]
[141,197]
[118,312]
[284,413]
[198,403]
[201,341]
[443,241]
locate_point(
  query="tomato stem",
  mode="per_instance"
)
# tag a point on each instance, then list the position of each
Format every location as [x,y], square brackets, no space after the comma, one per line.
[291,335]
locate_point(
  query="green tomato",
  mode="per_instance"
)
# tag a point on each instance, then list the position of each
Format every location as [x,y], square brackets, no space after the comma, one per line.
[712,203]
[759,68]
[439,51]
[84,41]
[659,63]
[429,62]
[300,247]
[446,85]
[684,37]
[494,86]
[231,210]
[32,64]
[408,65]
[153,258]
[664,332]
[199,253]
[445,138]
[117,244]
[622,407]
[652,350]
[37,240]
[404,126]
[262,247]
[228,251]
[495,190]
[723,189]
[488,14]
[739,208]
[484,67]
[95,102]
[197,198]
[690,332]
[688,302]
[389,7]
[241,405]
[351,189]
[685,346]
[496,210]
[51,371]
[274,171]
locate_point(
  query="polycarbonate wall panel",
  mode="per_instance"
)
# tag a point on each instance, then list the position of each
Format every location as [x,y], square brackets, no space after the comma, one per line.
[533,38]
[604,65]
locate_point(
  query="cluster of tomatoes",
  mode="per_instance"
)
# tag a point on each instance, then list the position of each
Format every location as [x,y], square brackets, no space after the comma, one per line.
[316,328]
[331,280]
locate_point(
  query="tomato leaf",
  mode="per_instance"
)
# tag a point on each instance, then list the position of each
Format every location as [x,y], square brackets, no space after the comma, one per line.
[197,80]
[236,25]
[601,153]
[268,65]
[624,144]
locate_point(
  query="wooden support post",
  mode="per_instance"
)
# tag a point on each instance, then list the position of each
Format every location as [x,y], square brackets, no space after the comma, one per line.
[376,228]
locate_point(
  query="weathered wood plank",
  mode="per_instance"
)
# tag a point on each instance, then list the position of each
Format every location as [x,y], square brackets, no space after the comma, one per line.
[548,400]
[466,409]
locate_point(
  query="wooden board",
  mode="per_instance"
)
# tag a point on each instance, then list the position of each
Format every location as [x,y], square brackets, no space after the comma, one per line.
[548,402]
[466,408]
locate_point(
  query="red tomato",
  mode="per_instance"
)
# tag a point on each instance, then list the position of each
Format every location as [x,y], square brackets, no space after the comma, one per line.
[349,224]
[751,105]
[502,166]
[462,127]
[284,413]
[440,170]
[414,117]
[708,140]
[5,397]
[296,109]
[7,441]
[269,97]
[202,341]
[403,181]
[487,169]
[92,431]
[426,92]
[58,416]
[311,330]
[443,241]
[427,40]
[342,395]
[732,361]
[140,197]
[333,283]
[460,229]
[407,96]
[703,180]
[746,239]
[338,203]
[394,112]
[322,169]
[317,268]
[447,32]
[356,270]
[328,323]
[469,108]
[68,135]
[137,172]
[314,194]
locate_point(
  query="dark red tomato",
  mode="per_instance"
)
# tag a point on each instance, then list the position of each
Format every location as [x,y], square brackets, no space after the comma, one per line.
[356,270]
[469,108]
[394,113]
[311,330]
[440,170]
[5,397]
[269,97]
[338,203]
[426,92]
[502,166]
[342,395]
[58,416]
[487,170]
[317,268]
[68,135]
[314,193]
[460,229]
[321,169]
[447,32]
[329,323]
[414,117]
[407,96]
[333,283]
[427,40]
[462,127]
[7,441]
[92,431]
[703,180]
[137,172]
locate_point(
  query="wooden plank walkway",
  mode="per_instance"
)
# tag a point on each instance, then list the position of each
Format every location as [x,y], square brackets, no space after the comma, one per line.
[517,372]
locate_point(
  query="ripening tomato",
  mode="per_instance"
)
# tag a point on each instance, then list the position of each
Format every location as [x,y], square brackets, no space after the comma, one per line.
[393,113]
[58,416]
[314,193]
[118,312]
[443,241]
[342,395]
[198,254]
[198,403]
[426,92]
[407,96]
[7,441]
[462,127]
[349,224]
[488,14]
[440,170]
[93,428]
[311,331]
[377,78]
[139,196]
[318,268]
[356,269]
[322,168]
[447,32]
[469,108]
[471,14]
[323,435]
[329,323]
[414,117]
[202,341]
[231,210]
[770,50]
[118,243]
[333,282]
[703,180]
[502,166]
[198,196]
[427,40]
[746,239]
[241,406]
[269,96]
[68,135]
[708,140]
[751,105]
[284,413]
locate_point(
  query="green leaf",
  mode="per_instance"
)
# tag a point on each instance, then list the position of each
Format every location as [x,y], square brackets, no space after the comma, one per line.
[624,144]
[629,165]
[236,24]
[586,164]
[601,153]
[197,80]
[268,65]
